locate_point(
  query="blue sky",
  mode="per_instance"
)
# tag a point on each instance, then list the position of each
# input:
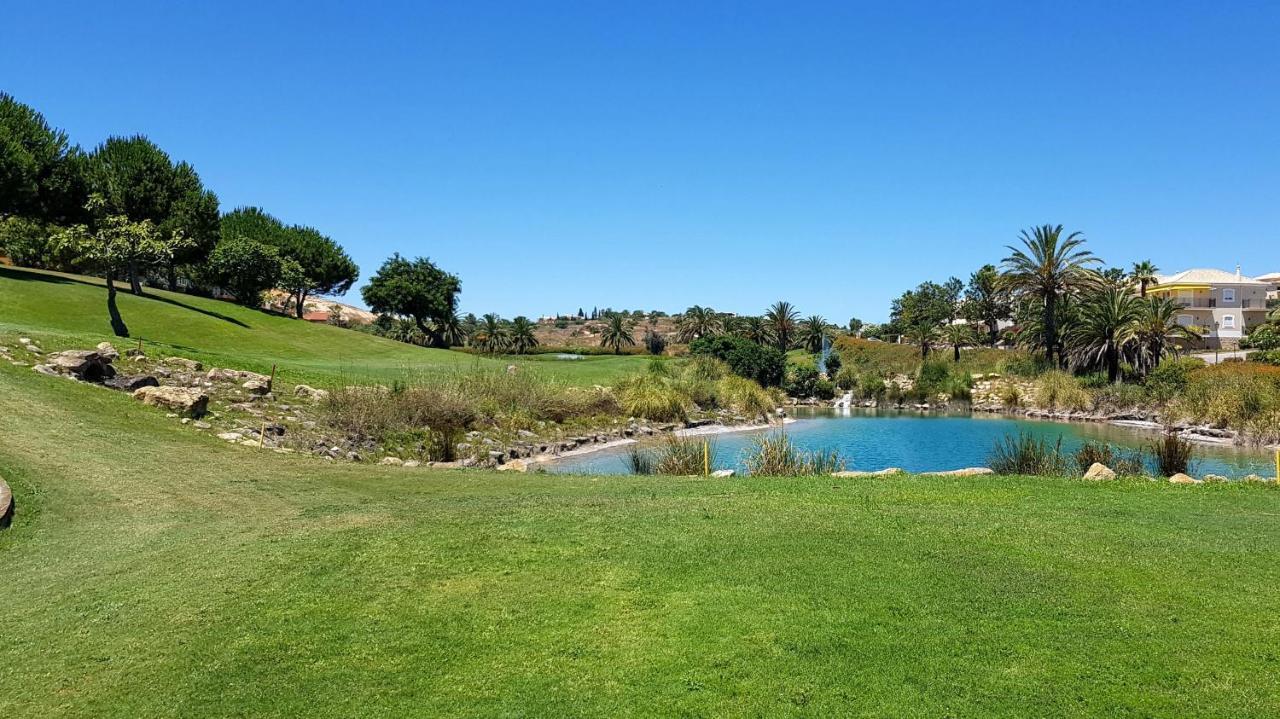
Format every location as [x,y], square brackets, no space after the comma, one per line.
[657,155]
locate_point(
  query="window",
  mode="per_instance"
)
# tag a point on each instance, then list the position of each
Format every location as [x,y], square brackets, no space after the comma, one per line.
[1186,320]
[1228,295]
[1228,322]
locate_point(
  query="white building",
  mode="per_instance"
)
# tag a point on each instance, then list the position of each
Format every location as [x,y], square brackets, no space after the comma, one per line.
[1223,305]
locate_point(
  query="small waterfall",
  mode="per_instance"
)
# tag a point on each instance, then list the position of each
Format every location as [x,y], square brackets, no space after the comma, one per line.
[845,401]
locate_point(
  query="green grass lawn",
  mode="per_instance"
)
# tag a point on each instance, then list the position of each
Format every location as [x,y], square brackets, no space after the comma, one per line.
[154,571]
[66,311]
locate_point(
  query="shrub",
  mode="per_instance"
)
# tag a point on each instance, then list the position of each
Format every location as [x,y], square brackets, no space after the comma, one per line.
[824,389]
[765,365]
[1094,380]
[1172,455]
[871,386]
[847,378]
[1059,390]
[1113,397]
[652,397]
[1025,454]
[802,381]
[932,378]
[1229,394]
[1169,378]
[744,396]
[1025,365]
[774,455]
[243,267]
[1011,396]
[640,461]
[1271,357]
[686,456]
[1264,337]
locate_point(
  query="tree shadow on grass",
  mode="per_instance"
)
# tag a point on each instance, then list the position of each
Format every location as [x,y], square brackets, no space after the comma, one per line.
[10,273]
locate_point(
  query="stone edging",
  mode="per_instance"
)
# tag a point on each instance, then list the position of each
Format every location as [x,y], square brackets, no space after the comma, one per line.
[6,504]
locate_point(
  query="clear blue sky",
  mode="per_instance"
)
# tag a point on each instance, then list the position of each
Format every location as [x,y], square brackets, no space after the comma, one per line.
[657,155]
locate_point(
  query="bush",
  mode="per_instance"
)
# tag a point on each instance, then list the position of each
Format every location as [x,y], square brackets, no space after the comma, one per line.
[1271,357]
[679,456]
[1172,455]
[1024,454]
[1115,397]
[1025,365]
[1059,390]
[652,397]
[802,381]
[1234,394]
[847,378]
[1264,337]
[824,389]
[1169,379]
[774,455]
[765,365]
[743,396]
[871,386]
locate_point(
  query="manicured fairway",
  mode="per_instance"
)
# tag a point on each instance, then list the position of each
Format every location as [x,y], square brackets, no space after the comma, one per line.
[154,571]
[70,311]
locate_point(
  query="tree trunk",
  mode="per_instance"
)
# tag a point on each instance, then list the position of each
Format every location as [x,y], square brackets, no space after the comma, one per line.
[957,349]
[993,327]
[1050,326]
[1113,362]
[117,322]
[135,286]
[301,299]
[173,277]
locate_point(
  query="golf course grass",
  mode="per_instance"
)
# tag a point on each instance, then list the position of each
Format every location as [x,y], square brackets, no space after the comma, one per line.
[152,570]
[70,311]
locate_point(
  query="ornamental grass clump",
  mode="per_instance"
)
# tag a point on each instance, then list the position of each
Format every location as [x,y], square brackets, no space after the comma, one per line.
[1128,463]
[743,396]
[1172,455]
[775,455]
[1232,394]
[652,397]
[1026,454]
[676,456]
[1060,390]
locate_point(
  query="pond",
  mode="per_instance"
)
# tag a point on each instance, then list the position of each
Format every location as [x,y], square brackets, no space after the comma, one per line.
[925,442]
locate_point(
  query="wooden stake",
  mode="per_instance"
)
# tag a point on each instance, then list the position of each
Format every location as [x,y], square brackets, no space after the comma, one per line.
[262,436]
[272,382]
[706,458]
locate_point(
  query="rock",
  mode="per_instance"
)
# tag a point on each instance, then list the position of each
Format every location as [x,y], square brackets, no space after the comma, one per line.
[185,420]
[108,351]
[1098,471]
[303,390]
[1255,479]
[46,369]
[135,353]
[880,473]
[515,465]
[1181,478]
[966,472]
[189,402]
[189,364]
[354,456]
[722,473]
[131,383]
[201,425]
[1215,478]
[257,387]
[391,462]
[24,340]
[412,463]
[84,365]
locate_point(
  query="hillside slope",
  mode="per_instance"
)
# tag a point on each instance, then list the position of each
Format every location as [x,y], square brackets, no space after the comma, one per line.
[67,311]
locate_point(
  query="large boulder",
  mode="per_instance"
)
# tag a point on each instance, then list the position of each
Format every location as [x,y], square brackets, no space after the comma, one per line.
[108,351]
[1181,478]
[188,364]
[257,387]
[722,473]
[1099,471]
[84,365]
[303,390]
[131,383]
[966,472]
[879,473]
[185,401]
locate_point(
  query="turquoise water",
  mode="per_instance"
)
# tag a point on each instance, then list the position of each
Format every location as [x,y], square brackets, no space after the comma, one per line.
[917,442]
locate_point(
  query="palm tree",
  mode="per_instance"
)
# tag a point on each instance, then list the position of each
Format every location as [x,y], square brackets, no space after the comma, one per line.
[1144,274]
[756,330]
[813,331]
[698,322]
[1158,332]
[781,319]
[1044,268]
[959,335]
[490,337]
[1107,324]
[449,329]
[923,335]
[522,337]
[617,333]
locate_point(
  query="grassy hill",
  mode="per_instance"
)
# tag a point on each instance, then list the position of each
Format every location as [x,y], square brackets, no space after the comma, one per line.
[153,570]
[67,311]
